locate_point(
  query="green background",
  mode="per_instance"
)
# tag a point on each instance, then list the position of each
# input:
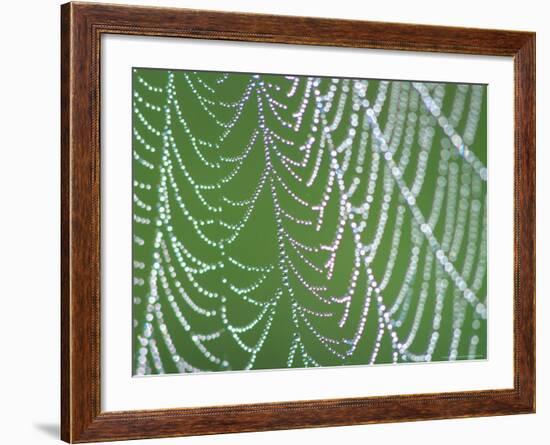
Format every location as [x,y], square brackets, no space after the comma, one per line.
[203,98]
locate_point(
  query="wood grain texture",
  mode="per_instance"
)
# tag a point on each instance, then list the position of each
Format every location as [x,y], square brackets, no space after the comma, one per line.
[81,28]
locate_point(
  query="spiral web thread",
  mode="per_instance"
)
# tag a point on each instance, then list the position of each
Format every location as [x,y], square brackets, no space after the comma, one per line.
[288,221]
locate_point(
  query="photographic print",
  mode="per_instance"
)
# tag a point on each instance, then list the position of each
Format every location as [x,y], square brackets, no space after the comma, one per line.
[284,221]
[290,216]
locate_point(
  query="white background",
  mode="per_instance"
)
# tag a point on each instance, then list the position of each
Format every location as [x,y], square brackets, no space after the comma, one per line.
[121,392]
[29,243]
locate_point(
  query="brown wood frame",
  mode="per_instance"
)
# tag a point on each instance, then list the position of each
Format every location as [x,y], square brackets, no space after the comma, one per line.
[82,25]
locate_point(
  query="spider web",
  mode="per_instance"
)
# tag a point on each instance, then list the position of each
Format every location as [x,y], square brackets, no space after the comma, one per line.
[287,221]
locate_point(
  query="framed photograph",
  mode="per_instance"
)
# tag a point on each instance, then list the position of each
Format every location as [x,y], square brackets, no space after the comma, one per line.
[274,222]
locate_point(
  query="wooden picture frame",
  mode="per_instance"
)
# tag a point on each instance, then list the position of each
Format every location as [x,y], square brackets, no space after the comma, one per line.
[82,25]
